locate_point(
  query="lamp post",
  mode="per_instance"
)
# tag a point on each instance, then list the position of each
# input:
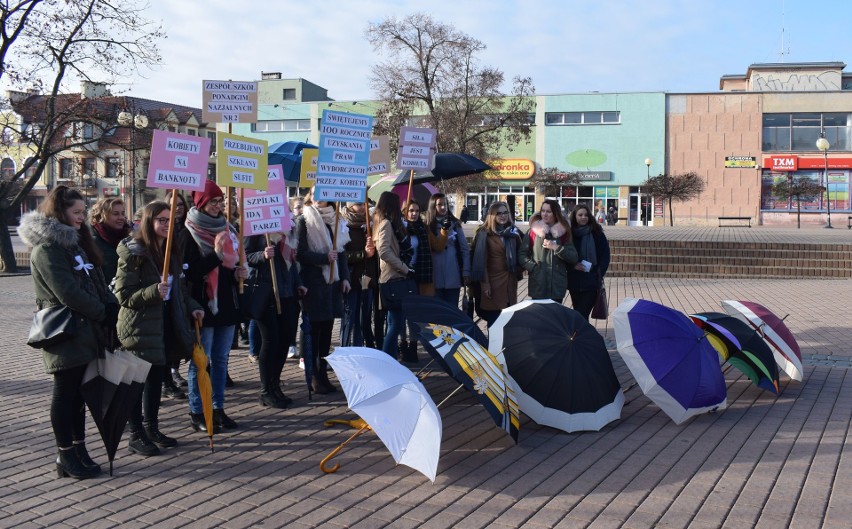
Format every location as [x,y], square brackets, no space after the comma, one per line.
[134,123]
[645,206]
[823,145]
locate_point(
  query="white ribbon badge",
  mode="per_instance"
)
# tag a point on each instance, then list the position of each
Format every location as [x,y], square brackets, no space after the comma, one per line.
[82,265]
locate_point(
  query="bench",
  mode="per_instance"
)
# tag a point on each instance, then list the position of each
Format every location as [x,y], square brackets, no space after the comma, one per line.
[736,222]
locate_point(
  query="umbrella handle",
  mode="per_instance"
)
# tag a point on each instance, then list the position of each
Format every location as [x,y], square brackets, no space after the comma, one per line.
[337,450]
[198,330]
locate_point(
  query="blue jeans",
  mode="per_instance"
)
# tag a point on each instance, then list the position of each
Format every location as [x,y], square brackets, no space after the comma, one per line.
[253,338]
[396,324]
[450,295]
[357,308]
[217,344]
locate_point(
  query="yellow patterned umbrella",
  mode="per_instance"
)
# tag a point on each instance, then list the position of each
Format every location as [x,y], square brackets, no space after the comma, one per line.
[205,387]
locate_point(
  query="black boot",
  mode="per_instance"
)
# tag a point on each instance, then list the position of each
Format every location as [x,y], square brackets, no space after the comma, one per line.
[178,380]
[409,354]
[157,437]
[268,398]
[403,347]
[276,389]
[196,420]
[83,455]
[140,444]
[171,390]
[220,420]
[68,464]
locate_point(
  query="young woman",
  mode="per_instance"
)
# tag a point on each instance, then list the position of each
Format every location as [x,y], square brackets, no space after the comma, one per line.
[211,248]
[495,264]
[147,318]
[65,266]
[108,219]
[361,256]
[172,381]
[450,251]
[592,246]
[395,253]
[277,331]
[422,264]
[325,273]
[547,253]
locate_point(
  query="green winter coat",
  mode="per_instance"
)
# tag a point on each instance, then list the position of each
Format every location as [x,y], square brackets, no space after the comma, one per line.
[56,282]
[548,269]
[141,328]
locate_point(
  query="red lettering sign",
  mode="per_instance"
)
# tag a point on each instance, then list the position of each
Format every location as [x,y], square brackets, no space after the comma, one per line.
[784,163]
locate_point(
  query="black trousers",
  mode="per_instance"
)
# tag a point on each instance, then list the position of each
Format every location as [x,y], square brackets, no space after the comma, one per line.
[67,408]
[277,332]
[149,402]
[584,301]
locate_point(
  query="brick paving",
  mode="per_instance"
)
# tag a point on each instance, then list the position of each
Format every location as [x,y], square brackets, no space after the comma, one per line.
[765,461]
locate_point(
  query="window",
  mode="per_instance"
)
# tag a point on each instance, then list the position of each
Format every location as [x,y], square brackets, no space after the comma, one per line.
[112,164]
[88,131]
[89,167]
[66,168]
[582,118]
[289,94]
[285,125]
[191,132]
[7,169]
[798,132]
[32,168]
[490,119]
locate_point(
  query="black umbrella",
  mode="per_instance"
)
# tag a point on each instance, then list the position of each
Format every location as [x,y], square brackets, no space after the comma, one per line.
[561,368]
[447,165]
[111,386]
[308,353]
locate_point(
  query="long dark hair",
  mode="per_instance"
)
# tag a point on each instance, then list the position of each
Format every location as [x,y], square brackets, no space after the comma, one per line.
[388,208]
[557,213]
[432,215]
[146,235]
[594,225]
[60,199]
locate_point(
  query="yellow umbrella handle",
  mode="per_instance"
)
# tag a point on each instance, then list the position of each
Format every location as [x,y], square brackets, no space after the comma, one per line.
[198,330]
[334,452]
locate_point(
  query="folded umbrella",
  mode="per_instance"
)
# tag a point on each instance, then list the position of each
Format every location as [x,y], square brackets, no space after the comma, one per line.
[784,347]
[205,385]
[558,364]
[744,349]
[481,372]
[393,403]
[671,359]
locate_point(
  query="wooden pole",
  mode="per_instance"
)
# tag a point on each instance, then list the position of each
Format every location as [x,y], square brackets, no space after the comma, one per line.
[334,241]
[169,238]
[274,279]
[243,262]
[410,184]
[367,213]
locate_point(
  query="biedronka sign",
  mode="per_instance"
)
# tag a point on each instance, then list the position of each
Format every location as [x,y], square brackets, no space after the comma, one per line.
[511,169]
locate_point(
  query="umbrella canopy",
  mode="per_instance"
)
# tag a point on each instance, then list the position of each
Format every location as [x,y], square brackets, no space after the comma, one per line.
[420,192]
[205,386]
[558,364]
[785,349]
[482,373]
[747,351]
[289,155]
[671,359]
[394,403]
[110,387]
[447,165]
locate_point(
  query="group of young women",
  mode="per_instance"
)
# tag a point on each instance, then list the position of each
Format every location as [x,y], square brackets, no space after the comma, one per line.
[333,264]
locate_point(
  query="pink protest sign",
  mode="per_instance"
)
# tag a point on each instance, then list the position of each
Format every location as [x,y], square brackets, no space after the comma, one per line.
[267,211]
[178,161]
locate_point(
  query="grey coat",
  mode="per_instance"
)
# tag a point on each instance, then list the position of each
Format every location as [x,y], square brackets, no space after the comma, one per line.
[450,264]
[56,282]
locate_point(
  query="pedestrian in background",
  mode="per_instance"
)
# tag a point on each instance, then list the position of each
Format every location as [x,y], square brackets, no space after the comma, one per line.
[66,270]
[108,218]
[586,276]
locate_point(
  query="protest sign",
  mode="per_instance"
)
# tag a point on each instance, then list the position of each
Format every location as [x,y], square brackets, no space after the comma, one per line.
[416,148]
[267,211]
[229,102]
[344,154]
[178,161]
[308,171]
[241,161]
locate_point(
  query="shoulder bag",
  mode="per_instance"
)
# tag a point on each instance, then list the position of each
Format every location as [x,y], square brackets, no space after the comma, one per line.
[51,326]
[601,309]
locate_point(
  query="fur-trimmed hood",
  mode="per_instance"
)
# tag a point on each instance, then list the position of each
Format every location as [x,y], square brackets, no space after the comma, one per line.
[37,229]
[541,229]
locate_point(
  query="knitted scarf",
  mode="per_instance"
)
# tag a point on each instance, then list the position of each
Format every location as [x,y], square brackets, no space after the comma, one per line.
[111,235]
[423,263]
[587,250]
[213,235]
[318,222]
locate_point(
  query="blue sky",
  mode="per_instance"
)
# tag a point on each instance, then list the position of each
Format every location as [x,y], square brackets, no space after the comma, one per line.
[566,46]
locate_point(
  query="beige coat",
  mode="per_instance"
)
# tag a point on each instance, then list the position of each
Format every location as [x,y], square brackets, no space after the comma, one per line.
[387,247]
[502,282]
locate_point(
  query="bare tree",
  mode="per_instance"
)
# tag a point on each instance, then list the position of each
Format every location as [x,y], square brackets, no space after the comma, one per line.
[45,45]
[550,179]
[800,189]
[678,187]
[432,72]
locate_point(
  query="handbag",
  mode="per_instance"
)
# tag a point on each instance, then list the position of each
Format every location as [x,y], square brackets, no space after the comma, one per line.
[256,299]
[601,309]
[394,291]
[51,326]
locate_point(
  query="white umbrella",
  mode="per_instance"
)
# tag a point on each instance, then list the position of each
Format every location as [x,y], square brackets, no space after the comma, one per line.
[394,403]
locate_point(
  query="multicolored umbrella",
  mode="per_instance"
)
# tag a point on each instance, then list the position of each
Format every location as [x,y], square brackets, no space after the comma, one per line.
[559,365]
[744,348]
[481,372]
[393,403]
[671,359]
[420,192]
[786,350]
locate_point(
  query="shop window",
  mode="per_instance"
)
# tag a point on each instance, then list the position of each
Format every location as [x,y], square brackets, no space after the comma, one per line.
[798,132]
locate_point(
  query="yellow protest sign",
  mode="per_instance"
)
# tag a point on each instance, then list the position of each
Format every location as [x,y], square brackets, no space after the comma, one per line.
[241,161]
[308,172]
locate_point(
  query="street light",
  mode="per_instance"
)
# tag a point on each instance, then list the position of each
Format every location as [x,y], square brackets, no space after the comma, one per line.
[138,122]
[646,206]
[823,145]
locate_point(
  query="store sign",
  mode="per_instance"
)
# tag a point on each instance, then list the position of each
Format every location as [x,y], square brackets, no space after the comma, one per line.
[110,191]
[783,163]
[597,176]
[511,169]
[740,162]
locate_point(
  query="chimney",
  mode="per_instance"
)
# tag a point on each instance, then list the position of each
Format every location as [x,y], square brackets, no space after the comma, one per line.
[270,75]
[91,89]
